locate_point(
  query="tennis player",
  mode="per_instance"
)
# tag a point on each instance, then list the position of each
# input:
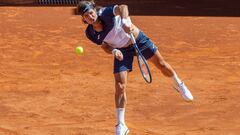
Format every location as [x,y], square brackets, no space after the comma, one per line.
[110,27]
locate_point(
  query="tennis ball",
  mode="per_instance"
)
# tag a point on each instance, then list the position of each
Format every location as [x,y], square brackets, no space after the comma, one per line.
[79,50]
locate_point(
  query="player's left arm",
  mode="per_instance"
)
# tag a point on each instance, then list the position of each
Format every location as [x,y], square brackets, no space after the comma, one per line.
[121,10]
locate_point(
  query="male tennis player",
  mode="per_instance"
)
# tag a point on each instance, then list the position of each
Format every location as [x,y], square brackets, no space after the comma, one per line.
[110,27]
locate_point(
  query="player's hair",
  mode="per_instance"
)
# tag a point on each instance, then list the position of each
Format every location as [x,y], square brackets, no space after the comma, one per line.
[84,6]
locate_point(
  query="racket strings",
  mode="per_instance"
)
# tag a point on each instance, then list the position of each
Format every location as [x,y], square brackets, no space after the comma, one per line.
[144,69]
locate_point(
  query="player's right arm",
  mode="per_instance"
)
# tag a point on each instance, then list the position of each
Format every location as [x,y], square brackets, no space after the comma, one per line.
[110,50]
[107,48]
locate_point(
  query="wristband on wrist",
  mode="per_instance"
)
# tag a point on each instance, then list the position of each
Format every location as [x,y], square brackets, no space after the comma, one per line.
[114,51]
[127,21]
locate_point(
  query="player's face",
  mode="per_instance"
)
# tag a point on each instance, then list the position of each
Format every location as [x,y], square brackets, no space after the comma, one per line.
[90,17]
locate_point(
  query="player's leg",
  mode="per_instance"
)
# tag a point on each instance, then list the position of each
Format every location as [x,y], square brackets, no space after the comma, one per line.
[121,70]
[168,71]
[151,53]
[161,64]
[120,94]
[120,101]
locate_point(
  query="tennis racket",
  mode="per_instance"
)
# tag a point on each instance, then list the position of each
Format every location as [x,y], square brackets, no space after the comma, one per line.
[142,62]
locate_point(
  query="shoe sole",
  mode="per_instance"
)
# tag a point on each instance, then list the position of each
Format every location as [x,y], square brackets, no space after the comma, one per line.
[177,89]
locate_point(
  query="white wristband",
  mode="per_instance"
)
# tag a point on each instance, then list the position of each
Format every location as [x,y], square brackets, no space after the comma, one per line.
[114,51]
[127,21]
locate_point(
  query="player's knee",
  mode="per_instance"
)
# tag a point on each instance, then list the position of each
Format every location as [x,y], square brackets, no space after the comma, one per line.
[165,68]
[120,87]
[162,64]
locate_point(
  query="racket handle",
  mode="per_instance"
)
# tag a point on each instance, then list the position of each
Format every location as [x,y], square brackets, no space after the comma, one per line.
[133,38]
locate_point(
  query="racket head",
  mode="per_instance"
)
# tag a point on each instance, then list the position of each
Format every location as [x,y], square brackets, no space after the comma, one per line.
[143,65]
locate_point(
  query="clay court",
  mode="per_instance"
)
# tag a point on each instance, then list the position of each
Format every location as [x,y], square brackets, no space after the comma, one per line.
[47,89]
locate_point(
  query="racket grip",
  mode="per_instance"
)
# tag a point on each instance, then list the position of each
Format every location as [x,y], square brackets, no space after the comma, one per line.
[133,38]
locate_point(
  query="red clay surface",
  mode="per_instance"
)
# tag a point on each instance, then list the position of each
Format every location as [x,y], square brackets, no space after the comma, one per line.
[46,89]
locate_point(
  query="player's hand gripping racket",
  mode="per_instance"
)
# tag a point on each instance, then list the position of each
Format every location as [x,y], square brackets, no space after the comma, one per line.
[142,62]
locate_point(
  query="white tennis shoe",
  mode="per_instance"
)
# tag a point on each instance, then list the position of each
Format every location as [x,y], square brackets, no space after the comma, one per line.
[184,91]
[121,129]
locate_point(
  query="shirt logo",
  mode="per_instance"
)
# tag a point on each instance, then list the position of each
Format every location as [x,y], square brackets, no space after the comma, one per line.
[98,37]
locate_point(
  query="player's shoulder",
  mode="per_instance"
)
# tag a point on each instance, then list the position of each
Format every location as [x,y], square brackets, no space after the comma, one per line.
[107,11]
[90,33]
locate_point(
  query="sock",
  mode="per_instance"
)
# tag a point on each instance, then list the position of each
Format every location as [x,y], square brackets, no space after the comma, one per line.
[120,115]
[176,79]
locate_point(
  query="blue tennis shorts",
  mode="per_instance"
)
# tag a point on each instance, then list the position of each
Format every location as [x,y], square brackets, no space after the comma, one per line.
[146,47]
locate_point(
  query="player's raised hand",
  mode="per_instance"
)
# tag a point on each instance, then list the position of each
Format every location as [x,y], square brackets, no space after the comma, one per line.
[127,25]
[127,29]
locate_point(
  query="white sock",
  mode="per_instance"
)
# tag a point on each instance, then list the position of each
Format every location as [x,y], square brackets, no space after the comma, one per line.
[120,115]
[176,79]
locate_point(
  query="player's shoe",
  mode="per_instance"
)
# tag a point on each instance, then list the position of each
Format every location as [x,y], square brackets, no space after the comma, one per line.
[121,129]
[184,91]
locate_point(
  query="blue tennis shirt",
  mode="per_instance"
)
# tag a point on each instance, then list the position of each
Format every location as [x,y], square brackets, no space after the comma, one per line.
[112,32]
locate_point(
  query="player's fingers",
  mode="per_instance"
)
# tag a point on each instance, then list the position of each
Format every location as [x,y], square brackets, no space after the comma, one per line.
[119,56]
[127,29]
[131,29]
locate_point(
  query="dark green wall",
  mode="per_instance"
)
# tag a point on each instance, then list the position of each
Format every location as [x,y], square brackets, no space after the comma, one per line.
[162,7]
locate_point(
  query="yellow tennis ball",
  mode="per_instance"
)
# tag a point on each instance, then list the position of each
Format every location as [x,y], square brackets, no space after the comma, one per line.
[79,50]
